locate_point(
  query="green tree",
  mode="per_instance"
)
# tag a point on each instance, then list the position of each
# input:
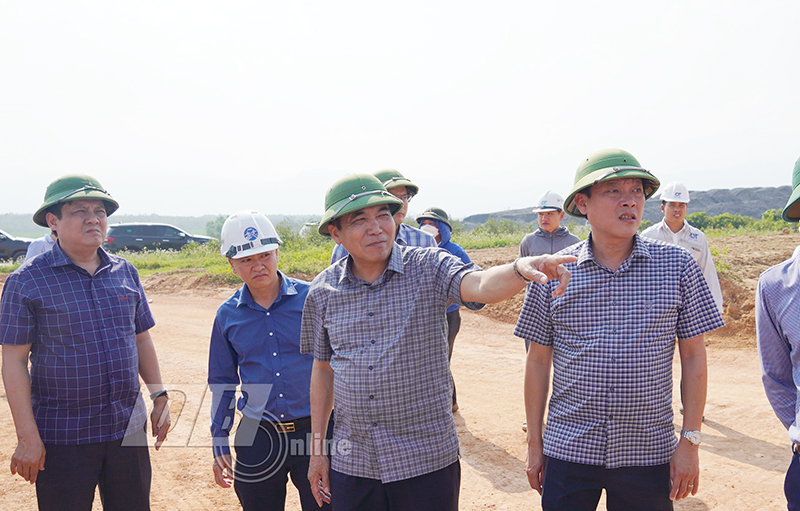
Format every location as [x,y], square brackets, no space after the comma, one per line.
[701,220]
[214,227]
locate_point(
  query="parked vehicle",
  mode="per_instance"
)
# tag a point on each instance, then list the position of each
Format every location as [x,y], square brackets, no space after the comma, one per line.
[12,247]
[140,236]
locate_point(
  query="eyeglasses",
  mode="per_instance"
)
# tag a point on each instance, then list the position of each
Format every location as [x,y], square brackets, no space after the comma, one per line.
[405,197]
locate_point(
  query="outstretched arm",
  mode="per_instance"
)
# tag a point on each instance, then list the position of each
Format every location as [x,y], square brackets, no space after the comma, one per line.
[502,282]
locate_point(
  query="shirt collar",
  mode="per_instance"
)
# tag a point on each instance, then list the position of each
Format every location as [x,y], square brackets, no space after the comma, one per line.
[640,249]
[287,289]
[395,265]
[60,258]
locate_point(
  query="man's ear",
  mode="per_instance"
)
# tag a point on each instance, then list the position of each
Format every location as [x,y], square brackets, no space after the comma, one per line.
[662,209]
[52,222]
[560,217]
[580,203]
[334,232]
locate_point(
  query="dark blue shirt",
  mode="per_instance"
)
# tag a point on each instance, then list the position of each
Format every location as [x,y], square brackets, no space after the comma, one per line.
[259,348]
[82,330]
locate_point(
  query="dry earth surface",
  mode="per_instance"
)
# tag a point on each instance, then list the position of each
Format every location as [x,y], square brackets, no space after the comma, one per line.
[743,457]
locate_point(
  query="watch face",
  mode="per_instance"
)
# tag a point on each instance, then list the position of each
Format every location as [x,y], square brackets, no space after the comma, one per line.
[695,437]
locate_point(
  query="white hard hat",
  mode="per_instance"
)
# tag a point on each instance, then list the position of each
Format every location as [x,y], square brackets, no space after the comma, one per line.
[549,201]
[247,233]
[675,192]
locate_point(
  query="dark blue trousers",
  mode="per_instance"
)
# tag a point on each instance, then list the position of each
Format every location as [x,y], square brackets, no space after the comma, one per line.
[72,472]
[791,486]
[436,491]
[577,487]
[264,463]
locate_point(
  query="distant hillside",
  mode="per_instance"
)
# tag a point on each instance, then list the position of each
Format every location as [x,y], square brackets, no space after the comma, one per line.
[750,202]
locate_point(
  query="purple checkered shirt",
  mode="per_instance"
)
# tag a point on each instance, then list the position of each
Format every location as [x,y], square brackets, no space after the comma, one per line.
[778,330]
[613,339]
[387,345]
[82,330]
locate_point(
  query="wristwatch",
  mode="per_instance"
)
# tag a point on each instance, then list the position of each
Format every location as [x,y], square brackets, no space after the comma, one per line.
[693,436]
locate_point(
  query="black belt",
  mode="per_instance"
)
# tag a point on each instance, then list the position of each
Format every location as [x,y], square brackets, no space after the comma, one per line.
[300,424]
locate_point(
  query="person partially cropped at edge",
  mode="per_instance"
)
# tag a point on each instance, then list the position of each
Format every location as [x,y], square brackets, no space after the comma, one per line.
[778,336]
[82,317]
[610,340]
[401,187]
[255,342]
[376,324]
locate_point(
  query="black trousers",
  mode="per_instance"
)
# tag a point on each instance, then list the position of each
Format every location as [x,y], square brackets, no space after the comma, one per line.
[791,485]
[436,491]
[72,472]
[261,470]
[453,326]
[577,487]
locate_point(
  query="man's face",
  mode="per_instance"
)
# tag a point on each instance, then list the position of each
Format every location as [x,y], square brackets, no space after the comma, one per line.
[83,224]
[368,234]
[675,212]
[614,209]
[549,220]
[259,271]
[401,192]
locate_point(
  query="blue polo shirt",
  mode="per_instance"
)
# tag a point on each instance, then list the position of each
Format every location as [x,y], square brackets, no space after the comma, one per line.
[259,348]
[82,330]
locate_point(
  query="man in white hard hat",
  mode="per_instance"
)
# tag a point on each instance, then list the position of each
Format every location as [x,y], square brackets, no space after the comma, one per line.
[375,322]
[255,342]
[610,342]
[778,334]
[550,237]
[676,230]
[405,235]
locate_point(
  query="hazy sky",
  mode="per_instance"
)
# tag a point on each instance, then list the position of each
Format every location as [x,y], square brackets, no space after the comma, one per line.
[188,108]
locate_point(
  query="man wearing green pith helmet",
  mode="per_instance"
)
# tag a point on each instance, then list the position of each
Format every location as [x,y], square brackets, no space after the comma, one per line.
[376,324]
[610,340]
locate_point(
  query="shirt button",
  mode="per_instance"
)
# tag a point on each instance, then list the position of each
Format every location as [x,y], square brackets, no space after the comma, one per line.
[274,354]
[611,417]
[370,368]
[280,395]
[267,313]
[372,341]
[370,314]
[372,397]
[282,416]
[270,334]
[374,424]
[277,374]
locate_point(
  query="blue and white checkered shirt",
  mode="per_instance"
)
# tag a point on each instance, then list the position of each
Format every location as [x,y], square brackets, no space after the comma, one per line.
[82,330]
[387,345]
[778,329]
[613,339]
[407,236]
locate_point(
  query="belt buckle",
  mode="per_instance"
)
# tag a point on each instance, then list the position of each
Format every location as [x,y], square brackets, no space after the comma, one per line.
[286,427]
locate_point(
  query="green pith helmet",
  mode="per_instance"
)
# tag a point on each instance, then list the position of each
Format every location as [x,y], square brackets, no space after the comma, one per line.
[73,187]
[606,165]
[791,213]
[435,213]
[391,178]
[354,192]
